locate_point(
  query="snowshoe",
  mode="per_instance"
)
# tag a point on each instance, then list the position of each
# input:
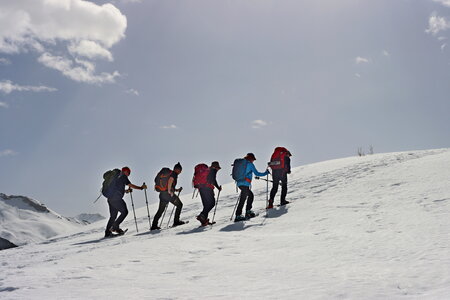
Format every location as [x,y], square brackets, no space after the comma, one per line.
[155,227]
[178,223]
[250,214]
[239,218]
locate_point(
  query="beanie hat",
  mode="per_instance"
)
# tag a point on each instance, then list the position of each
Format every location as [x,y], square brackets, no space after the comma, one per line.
[124,169]
[178,166]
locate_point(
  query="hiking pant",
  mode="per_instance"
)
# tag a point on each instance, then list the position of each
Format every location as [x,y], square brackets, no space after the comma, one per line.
[116,205]
[277,177]
[208,200]
[246,194]
[164,199]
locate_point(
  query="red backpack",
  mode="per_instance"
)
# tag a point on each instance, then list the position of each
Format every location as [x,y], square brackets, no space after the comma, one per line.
[277,159]
[200,179]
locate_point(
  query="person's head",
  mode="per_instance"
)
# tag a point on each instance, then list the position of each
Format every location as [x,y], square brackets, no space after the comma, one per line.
[126,171]
[177,168]
[250,157]
[215,165]
[289,153]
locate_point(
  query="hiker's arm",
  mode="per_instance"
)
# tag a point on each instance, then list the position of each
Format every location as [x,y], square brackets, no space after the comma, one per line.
[169,186]
[258,173]
[136,187]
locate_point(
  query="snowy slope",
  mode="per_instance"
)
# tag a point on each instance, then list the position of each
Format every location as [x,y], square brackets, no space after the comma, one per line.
[24,220]
[375,227]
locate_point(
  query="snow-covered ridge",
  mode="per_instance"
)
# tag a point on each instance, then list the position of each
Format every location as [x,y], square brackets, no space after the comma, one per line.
[24,220]
[89,218]
[373,227]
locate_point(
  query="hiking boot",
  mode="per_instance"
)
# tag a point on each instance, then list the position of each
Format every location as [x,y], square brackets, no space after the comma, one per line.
[119,231]
[108,233]
[239,218]
[284,202]
[270,204]
[201,218]
[178,223]
[250,214]
[155,227]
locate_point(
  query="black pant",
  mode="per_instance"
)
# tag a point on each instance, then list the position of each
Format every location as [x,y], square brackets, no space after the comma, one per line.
[278,176]
[246,194]
[208,200]
[164,199]
[116,205]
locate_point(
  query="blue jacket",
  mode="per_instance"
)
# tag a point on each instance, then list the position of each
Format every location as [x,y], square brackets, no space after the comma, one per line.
[249,174]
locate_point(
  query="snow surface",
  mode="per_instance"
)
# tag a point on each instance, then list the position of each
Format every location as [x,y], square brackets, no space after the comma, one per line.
[24,220]
[373,227]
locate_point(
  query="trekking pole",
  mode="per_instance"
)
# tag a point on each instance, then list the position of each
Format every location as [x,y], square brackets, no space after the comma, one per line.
[132,204]
[267,195]
[98,197]
[146,202]
[173,208]
[162,219]
[264,179]
[235,206]
[215,208]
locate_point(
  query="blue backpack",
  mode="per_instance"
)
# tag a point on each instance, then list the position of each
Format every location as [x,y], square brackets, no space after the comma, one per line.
[239,169]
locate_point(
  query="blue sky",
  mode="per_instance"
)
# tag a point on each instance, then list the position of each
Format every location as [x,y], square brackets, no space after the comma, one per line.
[86,86]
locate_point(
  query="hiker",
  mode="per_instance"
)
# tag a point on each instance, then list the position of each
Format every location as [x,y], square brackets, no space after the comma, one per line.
[205,180]
[280,163]
[116,202]
[244,185]
[165,184]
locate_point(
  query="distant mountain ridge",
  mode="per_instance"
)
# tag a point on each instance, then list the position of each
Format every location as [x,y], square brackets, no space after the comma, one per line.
[89,218]
[24,220]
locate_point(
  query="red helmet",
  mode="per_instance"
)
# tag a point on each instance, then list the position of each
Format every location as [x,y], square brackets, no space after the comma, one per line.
[126,169]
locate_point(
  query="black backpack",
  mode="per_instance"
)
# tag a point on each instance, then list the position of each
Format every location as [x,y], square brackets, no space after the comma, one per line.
[109,178]
[162,179]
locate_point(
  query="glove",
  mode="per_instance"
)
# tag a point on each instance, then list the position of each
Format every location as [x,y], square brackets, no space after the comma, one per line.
[220,188]
[144,187]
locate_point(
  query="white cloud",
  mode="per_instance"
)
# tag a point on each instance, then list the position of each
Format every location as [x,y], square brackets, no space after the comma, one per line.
[43,21]
[78,70]
[358,75]
[90,50]
[4,61]
[443,47]
[132,92]
[442,38]
[7,152]
[87,30]
[7,87]
[4,104]
[256,124]
[361,60]
[437,24]
[169,126]
[386,53]
[443,2]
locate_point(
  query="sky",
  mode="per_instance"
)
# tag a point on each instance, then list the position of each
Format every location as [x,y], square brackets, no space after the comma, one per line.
[87,86]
